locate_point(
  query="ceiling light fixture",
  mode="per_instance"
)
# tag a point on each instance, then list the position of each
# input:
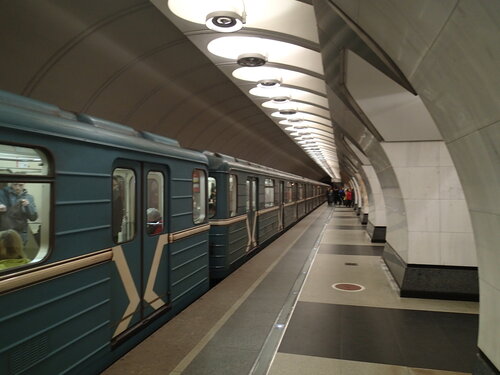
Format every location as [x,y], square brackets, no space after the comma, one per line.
[266,83]
[288,112]
[280,99]
[251,59]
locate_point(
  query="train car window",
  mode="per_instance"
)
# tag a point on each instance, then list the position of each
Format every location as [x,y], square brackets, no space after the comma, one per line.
[24,206]
[268,192]
[199,196]
[233,195]
[300,190]
[22,161]
[212,198]
[123,205]
[247,206]
[288,192]
[156,206]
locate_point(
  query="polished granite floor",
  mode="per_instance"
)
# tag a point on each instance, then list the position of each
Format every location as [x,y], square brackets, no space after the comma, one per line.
[280,314]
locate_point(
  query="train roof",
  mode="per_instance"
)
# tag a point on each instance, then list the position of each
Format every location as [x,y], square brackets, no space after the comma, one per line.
[32,115]
[225,163]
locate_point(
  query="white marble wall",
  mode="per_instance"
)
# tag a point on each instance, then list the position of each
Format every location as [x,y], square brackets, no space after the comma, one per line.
[376,214]
[363,201]
[439,225]
[449,50]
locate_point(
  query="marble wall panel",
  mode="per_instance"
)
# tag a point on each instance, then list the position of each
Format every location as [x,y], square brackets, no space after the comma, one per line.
[423,215]
[377,210]
[417,23]
[449,184]
[487,238]
[444,156]
[419,182]
[413,154]
[478,156]
[458,78]
[458,249]
[424,248]
[454,216]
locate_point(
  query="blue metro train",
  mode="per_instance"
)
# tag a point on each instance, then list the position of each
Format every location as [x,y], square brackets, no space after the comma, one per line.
[130,228]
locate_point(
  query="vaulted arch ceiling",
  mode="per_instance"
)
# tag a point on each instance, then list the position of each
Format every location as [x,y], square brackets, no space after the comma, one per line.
[135,63]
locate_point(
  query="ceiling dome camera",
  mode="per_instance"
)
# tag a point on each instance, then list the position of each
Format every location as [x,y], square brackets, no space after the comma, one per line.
[224,21]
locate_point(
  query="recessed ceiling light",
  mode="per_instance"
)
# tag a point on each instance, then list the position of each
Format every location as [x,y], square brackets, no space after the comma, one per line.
[280,99]
[269,83]
[288,112]
[251,59]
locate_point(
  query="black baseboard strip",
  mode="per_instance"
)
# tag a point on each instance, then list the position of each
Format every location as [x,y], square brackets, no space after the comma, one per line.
[364,219]
[432,281]
[484,366]
[376,233]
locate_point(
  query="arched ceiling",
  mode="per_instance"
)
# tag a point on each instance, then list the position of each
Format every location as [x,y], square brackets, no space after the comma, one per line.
[127,61]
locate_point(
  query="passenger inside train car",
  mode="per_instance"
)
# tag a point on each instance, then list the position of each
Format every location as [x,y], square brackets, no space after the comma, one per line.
[155,212]
[212,199]
[154,221]
[11,249]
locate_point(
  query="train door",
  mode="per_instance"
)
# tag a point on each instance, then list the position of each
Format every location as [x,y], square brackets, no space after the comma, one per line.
[140,252]
[252,212]
[281,203]
[155,275]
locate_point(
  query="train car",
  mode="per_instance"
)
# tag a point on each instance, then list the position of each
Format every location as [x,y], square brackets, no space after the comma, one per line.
[106,233]
[249,205]
[119,244]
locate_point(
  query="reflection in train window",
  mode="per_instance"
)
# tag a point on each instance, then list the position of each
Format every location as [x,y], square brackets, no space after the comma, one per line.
[123,205]
[268,192]
[155,211]
[212,197]
[24,206]
[233,195]
[199,196]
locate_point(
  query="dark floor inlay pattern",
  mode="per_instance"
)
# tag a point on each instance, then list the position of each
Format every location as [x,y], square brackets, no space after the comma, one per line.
[349,227]
[424,339]
[351,249]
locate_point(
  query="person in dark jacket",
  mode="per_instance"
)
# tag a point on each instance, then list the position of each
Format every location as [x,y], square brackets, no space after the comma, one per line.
[19,207]
[329,196]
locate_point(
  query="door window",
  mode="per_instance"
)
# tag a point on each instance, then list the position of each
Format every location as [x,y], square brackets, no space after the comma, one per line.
[268,192]
[155,211]
[233,195]
[199,196]
[123,205]
[212,197]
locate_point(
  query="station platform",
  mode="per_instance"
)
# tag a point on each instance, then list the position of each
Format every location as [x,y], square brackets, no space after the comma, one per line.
[318,300]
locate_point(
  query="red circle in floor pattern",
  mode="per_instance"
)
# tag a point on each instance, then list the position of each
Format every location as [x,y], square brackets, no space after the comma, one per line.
[348,287]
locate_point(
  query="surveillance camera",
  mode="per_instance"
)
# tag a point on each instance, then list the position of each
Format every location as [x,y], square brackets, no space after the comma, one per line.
[224,21]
